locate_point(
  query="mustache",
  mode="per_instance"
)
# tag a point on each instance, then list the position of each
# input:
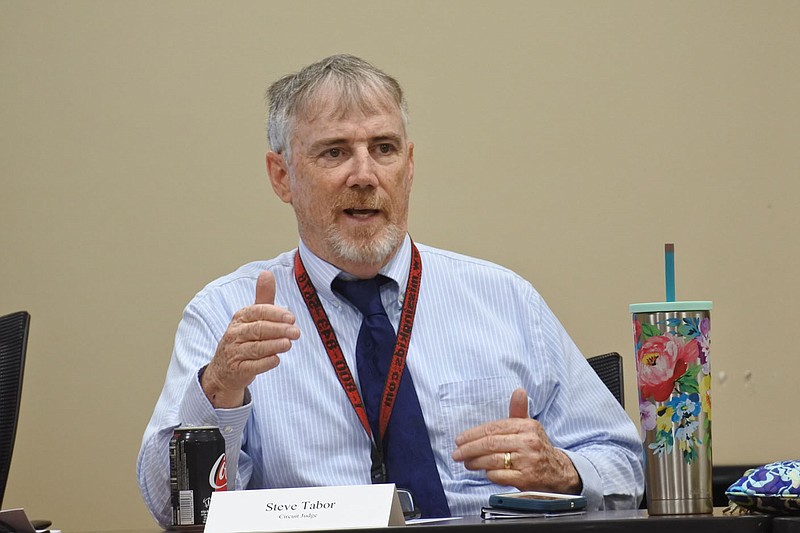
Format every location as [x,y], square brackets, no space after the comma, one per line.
[360,199]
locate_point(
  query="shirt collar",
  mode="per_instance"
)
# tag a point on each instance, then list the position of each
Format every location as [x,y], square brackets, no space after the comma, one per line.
[323,273]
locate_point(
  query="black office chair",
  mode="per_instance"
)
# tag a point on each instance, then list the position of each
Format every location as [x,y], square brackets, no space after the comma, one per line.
[13,344]
[609,367]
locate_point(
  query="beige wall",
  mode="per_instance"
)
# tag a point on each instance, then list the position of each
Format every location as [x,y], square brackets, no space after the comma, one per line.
[566,140]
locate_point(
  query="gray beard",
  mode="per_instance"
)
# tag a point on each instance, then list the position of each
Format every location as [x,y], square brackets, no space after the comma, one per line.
[364,249]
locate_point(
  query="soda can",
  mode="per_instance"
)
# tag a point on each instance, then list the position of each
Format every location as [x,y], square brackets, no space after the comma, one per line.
[196,468]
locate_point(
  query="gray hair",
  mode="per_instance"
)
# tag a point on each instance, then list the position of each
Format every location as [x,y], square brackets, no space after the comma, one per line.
[355,81]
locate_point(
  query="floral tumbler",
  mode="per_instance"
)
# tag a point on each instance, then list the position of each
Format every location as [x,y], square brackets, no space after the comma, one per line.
[673,370]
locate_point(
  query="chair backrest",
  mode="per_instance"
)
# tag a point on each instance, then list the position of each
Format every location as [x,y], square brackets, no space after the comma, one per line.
[13,343]
[609,367]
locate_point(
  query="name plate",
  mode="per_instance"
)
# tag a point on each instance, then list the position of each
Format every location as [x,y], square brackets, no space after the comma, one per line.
[308,508]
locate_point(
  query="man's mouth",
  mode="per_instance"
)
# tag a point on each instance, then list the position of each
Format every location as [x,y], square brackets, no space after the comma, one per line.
[361,213]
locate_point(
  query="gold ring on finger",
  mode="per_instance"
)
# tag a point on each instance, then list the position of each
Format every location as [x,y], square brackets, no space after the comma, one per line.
[507,460]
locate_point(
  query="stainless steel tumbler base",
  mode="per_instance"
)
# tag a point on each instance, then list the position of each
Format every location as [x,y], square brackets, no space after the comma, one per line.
[669,507]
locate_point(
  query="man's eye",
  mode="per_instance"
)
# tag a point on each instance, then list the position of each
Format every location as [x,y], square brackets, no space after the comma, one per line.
[385,148]
[334,152]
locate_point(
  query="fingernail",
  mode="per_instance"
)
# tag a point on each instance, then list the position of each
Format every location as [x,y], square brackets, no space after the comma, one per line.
[288,318]
[457,455]
[293,332]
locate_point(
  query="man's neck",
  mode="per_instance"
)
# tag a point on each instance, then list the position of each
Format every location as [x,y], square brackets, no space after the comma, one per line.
[356,269]
[361,271]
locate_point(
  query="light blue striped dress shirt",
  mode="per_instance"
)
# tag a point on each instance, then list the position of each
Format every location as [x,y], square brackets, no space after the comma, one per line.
[480,332]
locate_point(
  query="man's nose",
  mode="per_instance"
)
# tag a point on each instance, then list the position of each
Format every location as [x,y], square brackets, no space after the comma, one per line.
[363,172]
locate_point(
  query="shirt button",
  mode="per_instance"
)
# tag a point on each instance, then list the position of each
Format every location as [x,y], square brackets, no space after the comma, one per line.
[227,429]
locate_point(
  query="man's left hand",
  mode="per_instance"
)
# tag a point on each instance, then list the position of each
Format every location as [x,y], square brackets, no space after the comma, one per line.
[516,451]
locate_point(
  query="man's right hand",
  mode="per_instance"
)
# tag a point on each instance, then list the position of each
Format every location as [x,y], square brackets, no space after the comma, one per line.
[250,346]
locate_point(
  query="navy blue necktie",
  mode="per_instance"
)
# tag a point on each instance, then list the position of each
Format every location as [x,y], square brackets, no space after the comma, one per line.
[406,445]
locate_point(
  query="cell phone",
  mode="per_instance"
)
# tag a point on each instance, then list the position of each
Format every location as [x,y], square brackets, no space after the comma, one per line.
[538,501]
[407,504]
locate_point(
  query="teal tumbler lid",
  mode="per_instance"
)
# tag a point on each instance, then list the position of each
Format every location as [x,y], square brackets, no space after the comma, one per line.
[670,307]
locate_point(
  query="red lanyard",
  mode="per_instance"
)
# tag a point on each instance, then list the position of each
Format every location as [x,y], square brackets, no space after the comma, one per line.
[338,361]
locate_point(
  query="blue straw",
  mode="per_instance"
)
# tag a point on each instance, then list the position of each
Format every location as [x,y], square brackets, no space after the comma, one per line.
[669,270]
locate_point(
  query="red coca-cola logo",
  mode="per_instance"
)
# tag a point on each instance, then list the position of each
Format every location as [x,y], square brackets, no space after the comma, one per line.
[218,477]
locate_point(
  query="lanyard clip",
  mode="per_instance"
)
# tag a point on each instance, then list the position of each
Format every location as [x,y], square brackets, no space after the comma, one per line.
[378,470]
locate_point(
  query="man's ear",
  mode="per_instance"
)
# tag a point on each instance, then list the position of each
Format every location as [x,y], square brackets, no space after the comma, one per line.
[278,172]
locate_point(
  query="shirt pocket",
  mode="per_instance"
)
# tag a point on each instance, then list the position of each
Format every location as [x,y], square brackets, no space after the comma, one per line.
[466,404]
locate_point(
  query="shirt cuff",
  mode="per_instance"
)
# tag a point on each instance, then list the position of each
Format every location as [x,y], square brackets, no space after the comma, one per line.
[196,410]
[592,484]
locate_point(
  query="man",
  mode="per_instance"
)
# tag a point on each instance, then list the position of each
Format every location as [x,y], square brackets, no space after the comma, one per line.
[481,392]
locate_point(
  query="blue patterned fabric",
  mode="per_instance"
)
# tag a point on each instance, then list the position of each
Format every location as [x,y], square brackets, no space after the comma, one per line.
[407,452]
[772,488]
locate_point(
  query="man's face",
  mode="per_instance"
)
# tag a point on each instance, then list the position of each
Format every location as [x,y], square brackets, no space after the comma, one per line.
[349,181]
